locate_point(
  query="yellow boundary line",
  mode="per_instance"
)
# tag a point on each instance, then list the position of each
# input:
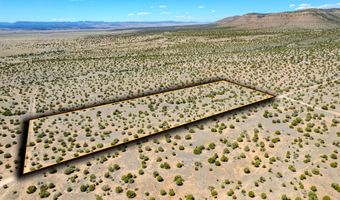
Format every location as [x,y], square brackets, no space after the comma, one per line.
[270,96]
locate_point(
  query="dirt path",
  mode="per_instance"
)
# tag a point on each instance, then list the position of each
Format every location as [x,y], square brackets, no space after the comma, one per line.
[316,108]
[285,96]
[310,87]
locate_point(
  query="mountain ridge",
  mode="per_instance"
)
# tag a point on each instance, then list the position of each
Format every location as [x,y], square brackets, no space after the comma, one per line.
[41,25]
[308,18]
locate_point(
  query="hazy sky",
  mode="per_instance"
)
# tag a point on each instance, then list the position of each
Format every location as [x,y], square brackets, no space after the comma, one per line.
[143,10]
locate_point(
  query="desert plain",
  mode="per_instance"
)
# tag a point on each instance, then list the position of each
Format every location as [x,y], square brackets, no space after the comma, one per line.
[286,148]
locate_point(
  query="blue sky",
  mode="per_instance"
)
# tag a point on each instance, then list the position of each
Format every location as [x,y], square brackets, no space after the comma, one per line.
[143,10]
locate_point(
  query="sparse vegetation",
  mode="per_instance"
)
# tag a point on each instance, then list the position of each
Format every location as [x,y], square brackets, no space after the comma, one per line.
[292,140]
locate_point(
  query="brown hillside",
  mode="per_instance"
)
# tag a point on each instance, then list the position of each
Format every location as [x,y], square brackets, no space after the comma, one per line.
[310,18]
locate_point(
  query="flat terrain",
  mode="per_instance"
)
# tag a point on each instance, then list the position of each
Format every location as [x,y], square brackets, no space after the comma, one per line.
[58,138]
[287,148]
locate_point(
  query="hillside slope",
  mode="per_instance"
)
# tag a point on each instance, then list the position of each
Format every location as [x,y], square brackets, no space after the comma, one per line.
[310,18]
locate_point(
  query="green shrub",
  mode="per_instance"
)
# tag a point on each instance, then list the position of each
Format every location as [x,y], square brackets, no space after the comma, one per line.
[246,170]
[7,155]
[162,192]
[189,197]
[83,188]
[119,189]
[334,164]
[336,186]
[313,188]
[179,180]
[130,194]
[31,189]
[198,149]
[159,179]
[292,168]
[172,192]
[69,170]
[106,188]
[99,197]
[312,196]
[251,194]
[44,194]
[326,198]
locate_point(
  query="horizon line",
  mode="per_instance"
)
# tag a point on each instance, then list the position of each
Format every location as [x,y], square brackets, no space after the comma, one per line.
[170,20]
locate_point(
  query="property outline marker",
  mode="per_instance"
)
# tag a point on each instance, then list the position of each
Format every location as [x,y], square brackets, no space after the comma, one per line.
[269,96]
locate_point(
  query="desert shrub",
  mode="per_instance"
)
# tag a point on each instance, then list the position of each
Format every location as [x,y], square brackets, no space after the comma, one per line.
[246,170]
[159,179]
[172,192]
[292,168]
[251,194]
[284,197]
[69,170]
[326,198]
[313,188]
[31,189]
[315,171]
[198,149]
[336,186]
[128,178]
[214,193]
[44,194]
[189,197]
[162,192]
[165,165]
[130,194]
[179,165]
[230,192]
[334,164]
[119,189]
[224,158]
[57,195]
[83,188]
[212,145]
[178,180]
[312,196]
[7,155]
[106,188]
[99,197]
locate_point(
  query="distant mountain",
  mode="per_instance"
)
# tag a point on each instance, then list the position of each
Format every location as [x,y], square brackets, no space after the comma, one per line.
[26,25]
[309,18]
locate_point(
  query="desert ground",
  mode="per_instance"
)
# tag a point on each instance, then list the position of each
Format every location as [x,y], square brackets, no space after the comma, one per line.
[101,127]
[286,148]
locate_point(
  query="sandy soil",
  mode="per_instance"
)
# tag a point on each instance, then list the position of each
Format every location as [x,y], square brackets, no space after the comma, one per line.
[284,149]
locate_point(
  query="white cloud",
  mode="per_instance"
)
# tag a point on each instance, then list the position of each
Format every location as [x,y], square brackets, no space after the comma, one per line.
[213,11]
[131,14]
[335,5]
[307,6]
[200,7]
[143,13]
[166,13]
[162,6]
[303,6]
[324,6]
[292,5]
